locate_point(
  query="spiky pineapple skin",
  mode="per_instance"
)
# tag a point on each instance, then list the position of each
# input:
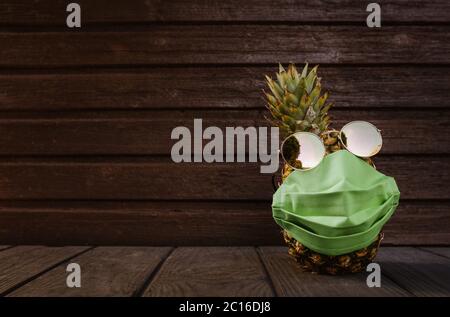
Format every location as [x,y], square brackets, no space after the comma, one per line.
[331,142]
[314,262]
[311,261]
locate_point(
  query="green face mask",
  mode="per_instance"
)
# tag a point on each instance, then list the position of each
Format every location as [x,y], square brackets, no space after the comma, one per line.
[337,207]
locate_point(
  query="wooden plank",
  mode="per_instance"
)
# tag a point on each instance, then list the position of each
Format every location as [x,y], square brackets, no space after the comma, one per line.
[421,273]
[3,247]
[187,223]
[213,87]
[442,251]
[289,279]
[419,223]
[149,178]
[209,271]
[100,11]
[19,264]
[139,223]
[151,223]
[106,271]
[227,44]
[147,133]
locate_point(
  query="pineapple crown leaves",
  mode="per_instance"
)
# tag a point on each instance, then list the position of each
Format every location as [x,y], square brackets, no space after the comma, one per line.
[296,102]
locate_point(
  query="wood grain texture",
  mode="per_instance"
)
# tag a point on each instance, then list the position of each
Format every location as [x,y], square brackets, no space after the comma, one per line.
[289,279]
[228,44]
[145,178]
[421,273]
[139,223]
[106,271]
[445,252]
[21,263]
[148,133]
[419,223]
[217,87]
[211,271]
[188,223]
[101,11]
[219,271]
[85,132]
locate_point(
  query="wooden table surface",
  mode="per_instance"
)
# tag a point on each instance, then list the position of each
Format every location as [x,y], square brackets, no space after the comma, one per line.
[211,271]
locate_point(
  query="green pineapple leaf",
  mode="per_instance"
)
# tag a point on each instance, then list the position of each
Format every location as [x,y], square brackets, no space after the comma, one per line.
[296,101]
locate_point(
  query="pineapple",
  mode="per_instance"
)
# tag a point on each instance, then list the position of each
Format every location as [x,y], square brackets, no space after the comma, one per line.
[296,104]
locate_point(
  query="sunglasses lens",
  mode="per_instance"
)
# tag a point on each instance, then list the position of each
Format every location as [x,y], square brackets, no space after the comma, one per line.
[361,138]
[302,150]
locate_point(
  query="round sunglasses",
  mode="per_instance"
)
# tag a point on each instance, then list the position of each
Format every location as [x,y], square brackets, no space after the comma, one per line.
[305,150]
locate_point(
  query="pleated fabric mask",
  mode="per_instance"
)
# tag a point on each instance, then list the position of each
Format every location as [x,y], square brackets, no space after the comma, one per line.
[338,207]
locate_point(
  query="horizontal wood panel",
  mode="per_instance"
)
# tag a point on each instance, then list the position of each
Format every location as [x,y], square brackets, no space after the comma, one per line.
[139,223]
[216,87]
[158,65]
[227,45]
[95,11]
[418,177]
[419,223]
[147,133]
[189,223]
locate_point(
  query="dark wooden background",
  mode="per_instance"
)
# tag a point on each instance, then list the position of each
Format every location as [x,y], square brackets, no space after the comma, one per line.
[86,115]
